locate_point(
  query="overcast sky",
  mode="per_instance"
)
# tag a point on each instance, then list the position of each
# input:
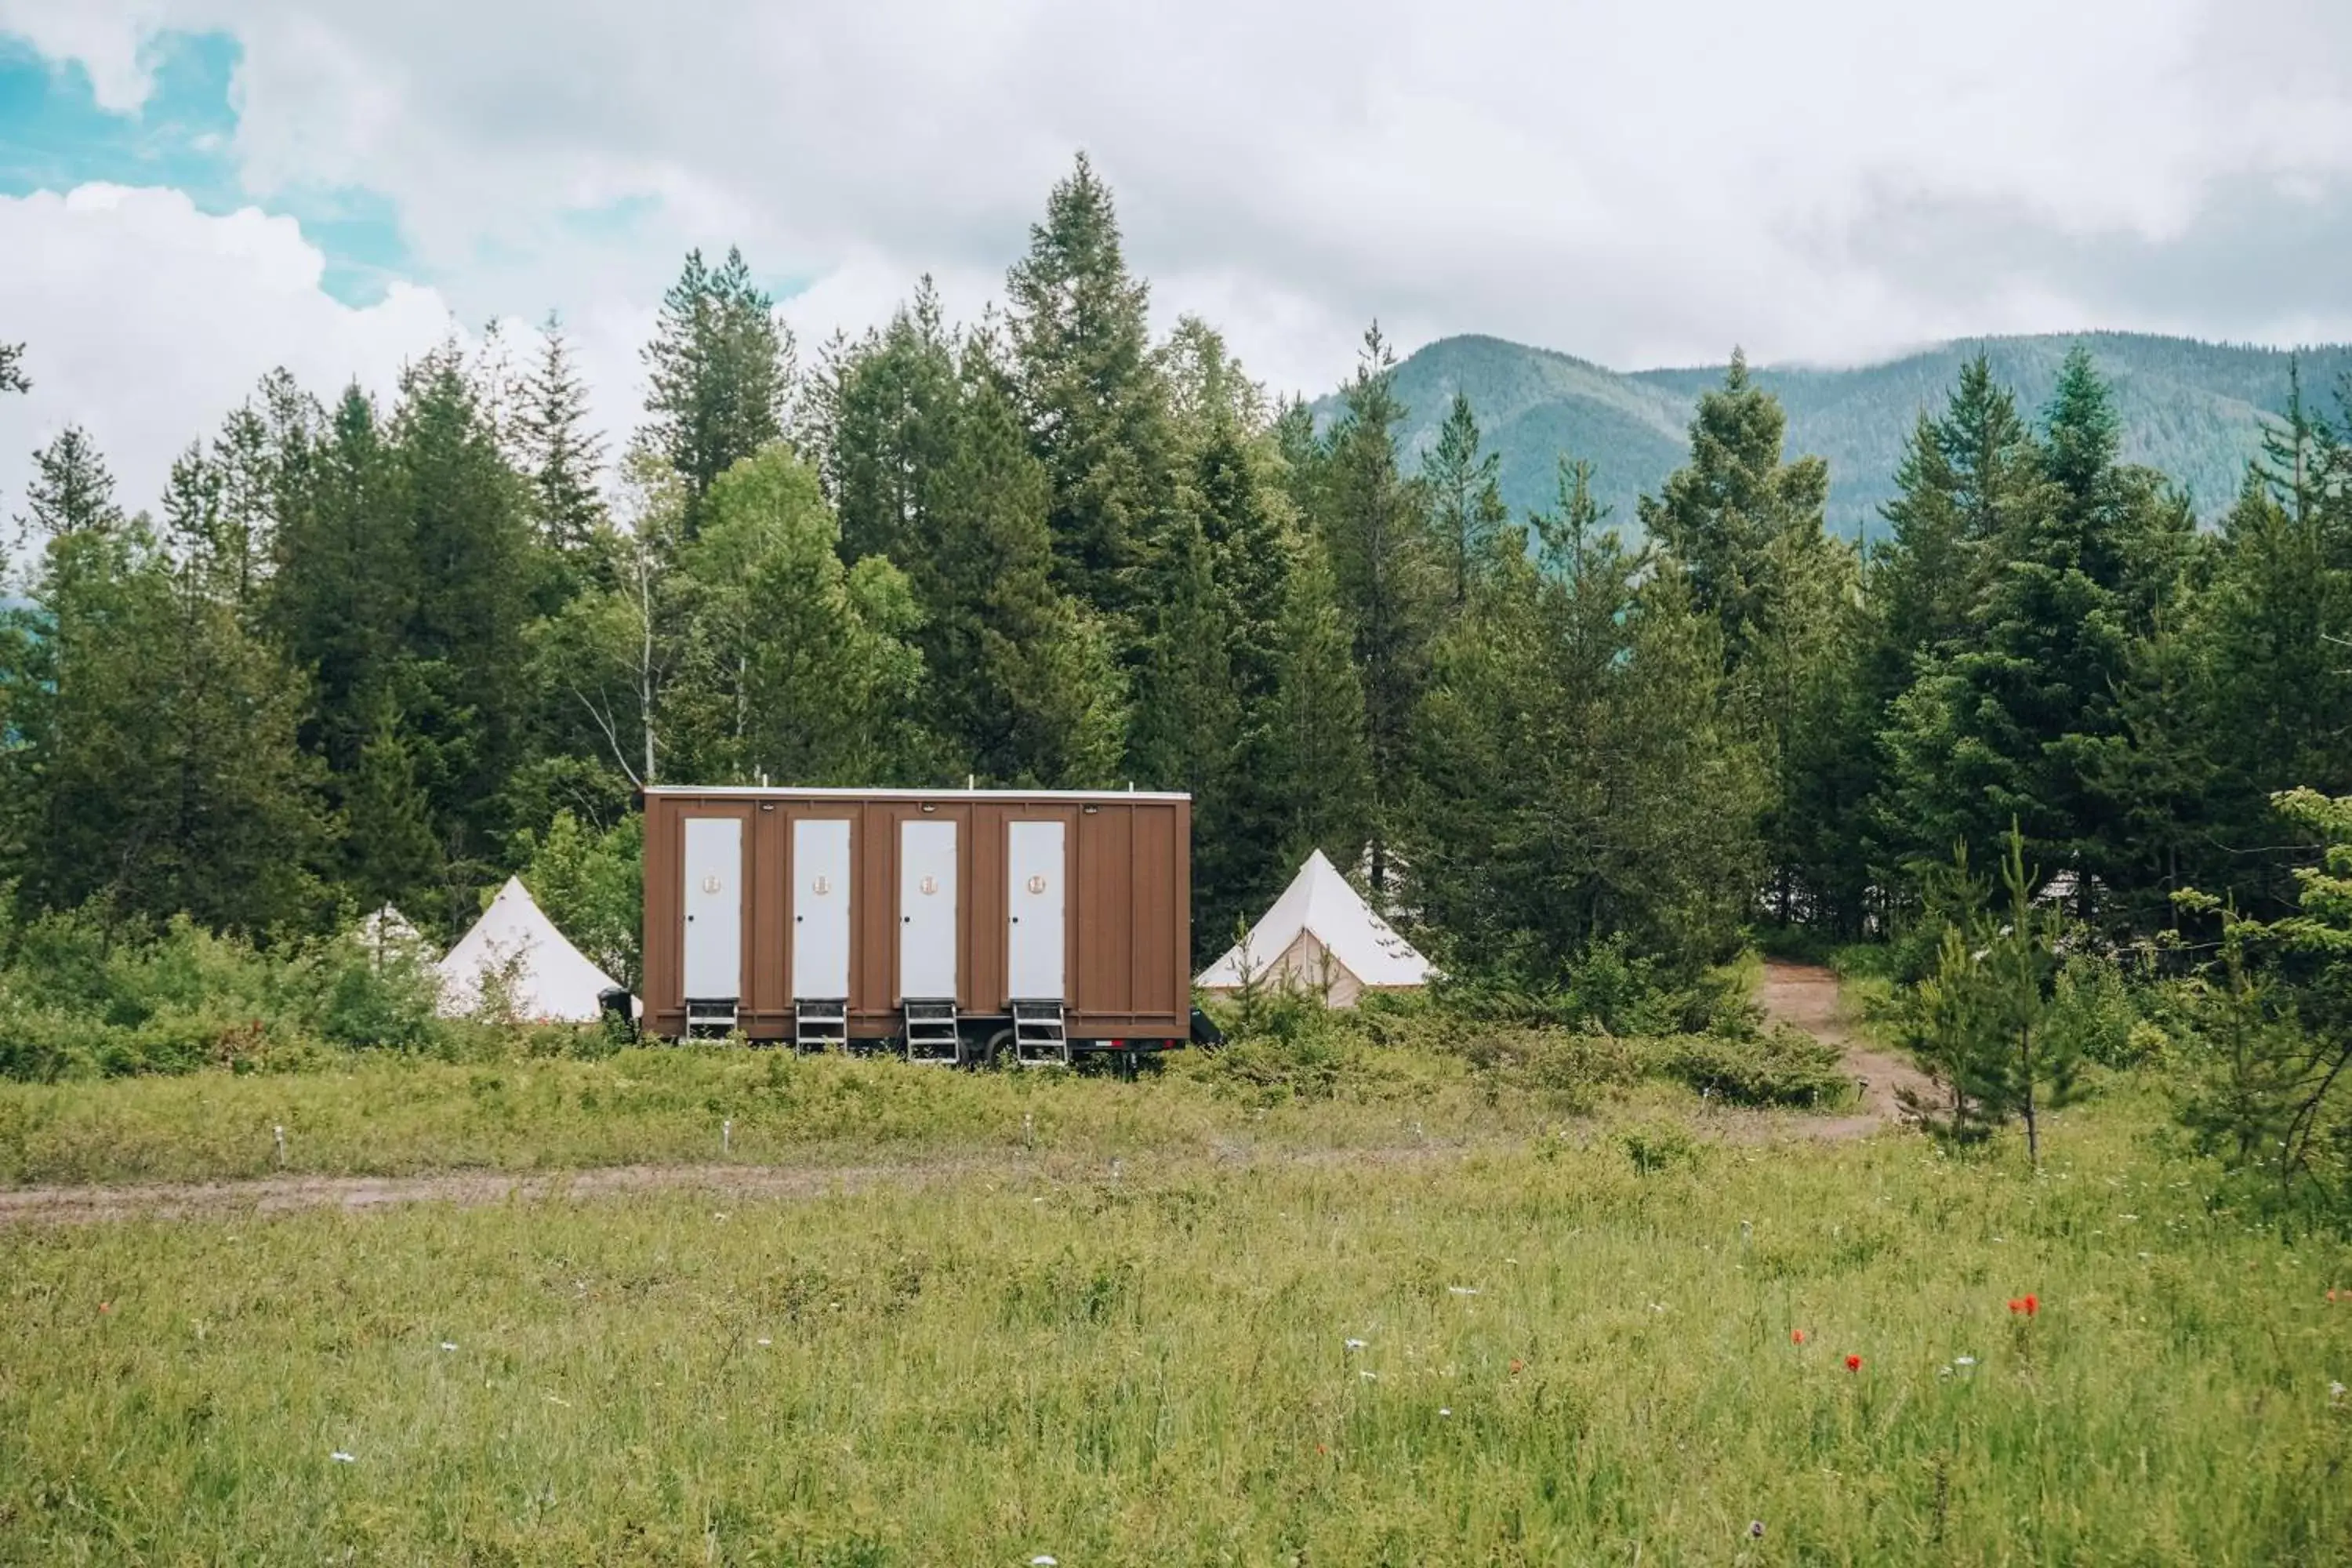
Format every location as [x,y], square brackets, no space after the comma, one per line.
[192,191]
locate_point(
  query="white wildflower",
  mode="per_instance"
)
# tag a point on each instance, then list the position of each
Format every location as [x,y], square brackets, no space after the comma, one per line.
[1461,1291]
[1445,1410]
[766,1342]
[342,1458]
[1042,1561]
[1964,1360]
[1369,1376]
[448,1344]
[1357,1344]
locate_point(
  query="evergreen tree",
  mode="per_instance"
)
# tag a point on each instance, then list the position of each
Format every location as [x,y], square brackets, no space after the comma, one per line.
[1315,761]
[12,369]
[559,452]
[1466,499]
[1737,518]
[2018,725]
[890,418]
[1096,406]
[165,775]
[1025,682]
[1580,778]
[1376,532]
[474,566]
[70,490]
[720,368]
[1188,715]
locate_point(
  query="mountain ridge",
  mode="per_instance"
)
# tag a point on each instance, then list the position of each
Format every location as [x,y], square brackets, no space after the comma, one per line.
[2192,409]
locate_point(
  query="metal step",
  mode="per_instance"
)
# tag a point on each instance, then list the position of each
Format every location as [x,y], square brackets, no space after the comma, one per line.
[820,1025]
[708,1017]
[1040,1036]
[933,1037]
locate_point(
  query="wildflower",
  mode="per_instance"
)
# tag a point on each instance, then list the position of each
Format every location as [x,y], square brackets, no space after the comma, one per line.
[2015,1305]
[1943,1372]
[2334,1390]
[1853,1363]
[1321,1449]
[1446,1410]
[342,1458]
[1044,1561]
[1369,1376]
[1796,1336]
[2031,1306]
[105,1307]
[448,1344]
[1460,1290]
[1755,1529]
[764,1343]
[1518,1366]
[1356,1344]
[1964,1360]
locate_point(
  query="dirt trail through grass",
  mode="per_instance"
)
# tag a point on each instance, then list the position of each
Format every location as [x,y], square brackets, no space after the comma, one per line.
[473,1189]
[1805,997]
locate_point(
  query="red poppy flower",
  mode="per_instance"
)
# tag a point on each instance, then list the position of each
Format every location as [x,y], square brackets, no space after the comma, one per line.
[2015,1305]
[2031,1306]
[1796,1336]
[1853,1363]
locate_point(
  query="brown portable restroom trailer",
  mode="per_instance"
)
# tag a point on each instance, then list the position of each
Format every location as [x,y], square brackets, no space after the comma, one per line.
[958,925]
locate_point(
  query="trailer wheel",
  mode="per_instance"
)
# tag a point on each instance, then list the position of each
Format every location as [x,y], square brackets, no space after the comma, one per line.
[998,1051]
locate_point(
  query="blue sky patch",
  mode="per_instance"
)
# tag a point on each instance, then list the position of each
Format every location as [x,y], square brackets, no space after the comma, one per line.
[54,136]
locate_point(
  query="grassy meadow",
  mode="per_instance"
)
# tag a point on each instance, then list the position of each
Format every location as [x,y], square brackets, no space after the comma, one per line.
[1527,1347]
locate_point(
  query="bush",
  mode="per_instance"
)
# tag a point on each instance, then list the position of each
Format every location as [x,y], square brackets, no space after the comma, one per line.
[1784,1067]
[80,998]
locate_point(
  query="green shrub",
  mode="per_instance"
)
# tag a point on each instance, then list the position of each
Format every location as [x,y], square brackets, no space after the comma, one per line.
[1782,1066]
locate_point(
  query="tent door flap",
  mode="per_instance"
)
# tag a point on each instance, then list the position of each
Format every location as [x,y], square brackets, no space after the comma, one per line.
[1037,907]
[714,908]
[927,910]
[820,908]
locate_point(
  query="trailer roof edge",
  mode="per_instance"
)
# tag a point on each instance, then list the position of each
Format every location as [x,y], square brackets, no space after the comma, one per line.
[789,791]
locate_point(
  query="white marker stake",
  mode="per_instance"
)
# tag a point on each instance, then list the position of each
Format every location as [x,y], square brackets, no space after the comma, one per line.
[727,1135]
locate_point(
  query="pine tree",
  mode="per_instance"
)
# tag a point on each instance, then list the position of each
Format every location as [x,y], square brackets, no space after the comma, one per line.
[169,777]
[1466,499]
[1188,715]
[394,855]
[559,452]
[70,490]
[721,371]
[1316,762]
[891,415]
[1720,516]
[12,369]
[1375,530]
[1025,682]
[475,564]
[1096,407]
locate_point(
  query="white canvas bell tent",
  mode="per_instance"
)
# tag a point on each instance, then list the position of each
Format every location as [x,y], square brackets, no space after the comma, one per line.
[1321,936]
[547,978]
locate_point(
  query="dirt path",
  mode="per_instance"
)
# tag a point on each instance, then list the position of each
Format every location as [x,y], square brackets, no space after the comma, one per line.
[1805,995]
[475,1189]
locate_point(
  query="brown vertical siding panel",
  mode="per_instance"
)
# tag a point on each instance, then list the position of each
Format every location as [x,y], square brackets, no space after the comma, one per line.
[984,907]
[1106,906]
[874,955]
[1153,986]
[660,950]
[767,845]
[1181,955]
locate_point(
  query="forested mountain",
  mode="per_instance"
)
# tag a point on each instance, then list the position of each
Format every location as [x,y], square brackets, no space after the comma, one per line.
[2191,409]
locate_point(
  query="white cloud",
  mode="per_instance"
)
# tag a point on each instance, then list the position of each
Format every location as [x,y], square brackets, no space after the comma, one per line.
[146,320]
[1635,184]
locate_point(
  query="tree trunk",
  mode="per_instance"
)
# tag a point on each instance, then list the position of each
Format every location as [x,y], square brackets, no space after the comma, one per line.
[2032,1128]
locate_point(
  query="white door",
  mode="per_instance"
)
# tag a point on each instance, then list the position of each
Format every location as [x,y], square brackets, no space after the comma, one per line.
[714,908]
[820,909]
[1036,900]
[927,910]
